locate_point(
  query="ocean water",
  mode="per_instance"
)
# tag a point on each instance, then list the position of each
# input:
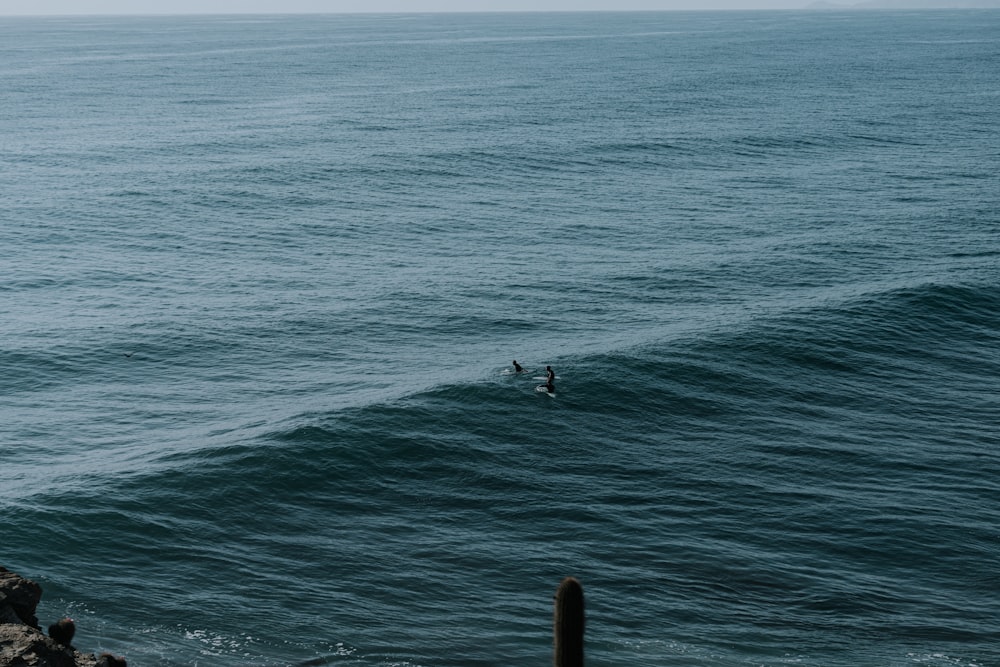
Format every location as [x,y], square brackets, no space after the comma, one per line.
[260,278]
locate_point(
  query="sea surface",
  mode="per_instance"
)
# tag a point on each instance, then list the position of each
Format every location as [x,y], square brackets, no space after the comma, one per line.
[262,280]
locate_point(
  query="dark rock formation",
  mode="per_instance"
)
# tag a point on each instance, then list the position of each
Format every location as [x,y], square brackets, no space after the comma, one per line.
[22,643]
[62,631]
[18,599]
[109,660]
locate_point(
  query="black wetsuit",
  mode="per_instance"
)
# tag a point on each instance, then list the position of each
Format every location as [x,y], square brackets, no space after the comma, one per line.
[550,380]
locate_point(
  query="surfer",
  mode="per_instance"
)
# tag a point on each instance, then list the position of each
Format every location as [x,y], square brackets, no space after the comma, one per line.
[517,367]
[550,380]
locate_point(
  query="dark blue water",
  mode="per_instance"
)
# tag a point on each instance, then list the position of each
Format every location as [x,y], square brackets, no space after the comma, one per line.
[260,277]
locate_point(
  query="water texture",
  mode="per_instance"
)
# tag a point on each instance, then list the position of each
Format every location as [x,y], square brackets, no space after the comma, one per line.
[260,277]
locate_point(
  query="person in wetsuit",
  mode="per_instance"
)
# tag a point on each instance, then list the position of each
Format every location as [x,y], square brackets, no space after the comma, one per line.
[517,367]
[550,380]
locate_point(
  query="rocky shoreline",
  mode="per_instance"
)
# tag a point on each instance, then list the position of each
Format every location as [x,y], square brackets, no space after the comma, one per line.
[22,642]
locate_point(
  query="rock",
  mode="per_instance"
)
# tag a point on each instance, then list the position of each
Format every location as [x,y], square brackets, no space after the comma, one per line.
[110,660]
[22,643]
[19,597]
[62,631]
[22,646]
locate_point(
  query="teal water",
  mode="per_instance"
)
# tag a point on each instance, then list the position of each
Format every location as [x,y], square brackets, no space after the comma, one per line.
[261,276]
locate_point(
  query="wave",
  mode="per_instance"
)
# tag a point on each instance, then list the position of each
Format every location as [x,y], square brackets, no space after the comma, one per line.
[791,469]
[901,349]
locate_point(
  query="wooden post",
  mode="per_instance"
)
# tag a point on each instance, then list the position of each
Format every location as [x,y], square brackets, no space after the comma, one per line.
[568,621]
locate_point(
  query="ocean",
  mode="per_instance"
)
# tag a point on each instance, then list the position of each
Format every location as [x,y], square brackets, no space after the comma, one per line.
[263,279]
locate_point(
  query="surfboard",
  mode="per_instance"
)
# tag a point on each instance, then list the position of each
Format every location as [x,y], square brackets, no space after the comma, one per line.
[544,390]
[542,377]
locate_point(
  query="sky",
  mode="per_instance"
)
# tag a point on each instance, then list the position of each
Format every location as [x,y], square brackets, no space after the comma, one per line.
[70,7]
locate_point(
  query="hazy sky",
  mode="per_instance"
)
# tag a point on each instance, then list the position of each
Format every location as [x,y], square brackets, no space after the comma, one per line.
[30,7]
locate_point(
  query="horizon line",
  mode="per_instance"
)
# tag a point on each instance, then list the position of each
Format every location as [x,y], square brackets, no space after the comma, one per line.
[818,6]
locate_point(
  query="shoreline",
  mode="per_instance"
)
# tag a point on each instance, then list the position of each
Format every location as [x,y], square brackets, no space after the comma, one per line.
[22,642]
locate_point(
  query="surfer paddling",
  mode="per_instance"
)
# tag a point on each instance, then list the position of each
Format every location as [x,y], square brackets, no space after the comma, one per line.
[517,367]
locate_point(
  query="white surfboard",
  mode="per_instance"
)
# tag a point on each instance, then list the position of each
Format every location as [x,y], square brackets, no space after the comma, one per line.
[542,388]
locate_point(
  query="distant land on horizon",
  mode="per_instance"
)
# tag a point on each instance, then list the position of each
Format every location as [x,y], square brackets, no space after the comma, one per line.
[768,5]
[908,4]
